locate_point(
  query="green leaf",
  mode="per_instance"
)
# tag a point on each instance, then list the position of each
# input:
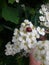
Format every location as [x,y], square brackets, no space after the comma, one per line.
[11,1]
[1,41]
[1,28]
[10,14]
[32,11]
[20,61]
[2,4]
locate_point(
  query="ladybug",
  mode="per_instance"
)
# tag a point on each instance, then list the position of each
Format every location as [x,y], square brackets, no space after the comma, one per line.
[28,29]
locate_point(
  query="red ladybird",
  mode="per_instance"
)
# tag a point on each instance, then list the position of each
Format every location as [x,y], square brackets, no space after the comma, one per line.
[28,29]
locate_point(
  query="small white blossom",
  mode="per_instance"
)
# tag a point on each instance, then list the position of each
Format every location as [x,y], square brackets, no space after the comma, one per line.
[41,31]
[47,16]
[22,33]
[8,50]
[42,18]
[46,24]
[44,9]
[31,25]
[17,1]
[23,24]
[40,11]
[33,38]
[26,20]
[14,39]
[20,39]
[15,31]
[28,40]
[8,45]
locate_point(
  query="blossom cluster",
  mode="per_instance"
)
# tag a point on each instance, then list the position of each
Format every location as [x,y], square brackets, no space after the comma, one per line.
[44,18]
[25,38]
[41,52]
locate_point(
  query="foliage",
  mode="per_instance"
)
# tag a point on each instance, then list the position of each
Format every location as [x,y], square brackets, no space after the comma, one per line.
[11,1]
[10,14]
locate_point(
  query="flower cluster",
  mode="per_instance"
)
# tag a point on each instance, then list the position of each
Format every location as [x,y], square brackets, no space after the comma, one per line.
[25,38]
[11,49]
[41,52]
[44,18]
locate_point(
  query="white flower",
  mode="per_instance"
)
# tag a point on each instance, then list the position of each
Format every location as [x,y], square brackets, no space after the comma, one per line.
[35,33]
[8,45]
[47,16]
[20,39]
[16,48]
[17,1]
[46,24]
[41,31]
[26,21]
[12,49]
[47,44]
[47,53]
[8,50]
[37,36]
[42,18]
[7,53]
[47,58]
[33,45]
[14,39]
[23,24]
[44,9]
[28,34]
[43,52]
[28,40]
[33,38]
[31,25]
[23,46]
[40,11]
[22,33]
[15,31]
